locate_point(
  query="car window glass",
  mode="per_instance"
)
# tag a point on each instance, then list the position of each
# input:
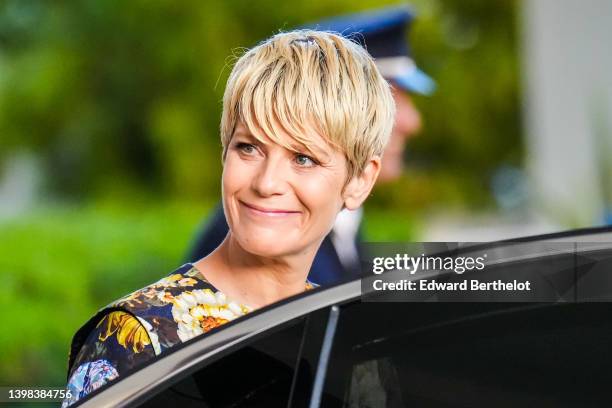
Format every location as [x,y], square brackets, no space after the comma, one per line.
[258,374]
[477,355]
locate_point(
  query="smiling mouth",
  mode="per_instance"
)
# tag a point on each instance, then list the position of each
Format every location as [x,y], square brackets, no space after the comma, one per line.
[270,212]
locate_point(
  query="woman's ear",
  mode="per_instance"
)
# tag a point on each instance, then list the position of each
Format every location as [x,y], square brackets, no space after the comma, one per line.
[359,187]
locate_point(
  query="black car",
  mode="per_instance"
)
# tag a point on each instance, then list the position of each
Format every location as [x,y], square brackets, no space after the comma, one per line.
[340,347]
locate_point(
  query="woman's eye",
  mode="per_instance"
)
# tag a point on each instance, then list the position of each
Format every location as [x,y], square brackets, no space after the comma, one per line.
[305,161]
[246,148]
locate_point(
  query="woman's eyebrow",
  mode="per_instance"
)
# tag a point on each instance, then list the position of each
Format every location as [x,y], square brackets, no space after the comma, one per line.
[245,134]
[314,149]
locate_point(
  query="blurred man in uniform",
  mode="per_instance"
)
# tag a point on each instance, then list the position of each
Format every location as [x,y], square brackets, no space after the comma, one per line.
[384,34]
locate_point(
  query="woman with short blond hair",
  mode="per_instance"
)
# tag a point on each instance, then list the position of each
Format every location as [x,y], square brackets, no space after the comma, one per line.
[306,116]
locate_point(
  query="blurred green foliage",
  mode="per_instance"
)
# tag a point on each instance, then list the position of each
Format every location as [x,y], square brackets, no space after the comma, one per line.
[59,265]
[110,92]
[473,122]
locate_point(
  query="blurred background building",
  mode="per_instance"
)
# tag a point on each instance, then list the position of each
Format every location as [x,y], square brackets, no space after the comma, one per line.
[568,109]
[110,155]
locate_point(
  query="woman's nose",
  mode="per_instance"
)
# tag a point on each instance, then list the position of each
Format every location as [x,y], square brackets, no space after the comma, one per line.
[271,177]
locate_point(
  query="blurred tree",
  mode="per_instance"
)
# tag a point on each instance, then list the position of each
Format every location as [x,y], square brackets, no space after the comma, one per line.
[126,95]
[473,122]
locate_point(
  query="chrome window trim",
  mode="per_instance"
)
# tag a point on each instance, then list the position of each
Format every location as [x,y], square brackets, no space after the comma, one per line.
[328,340]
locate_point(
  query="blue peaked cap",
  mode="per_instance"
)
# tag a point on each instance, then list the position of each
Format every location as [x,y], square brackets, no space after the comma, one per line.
[383,33]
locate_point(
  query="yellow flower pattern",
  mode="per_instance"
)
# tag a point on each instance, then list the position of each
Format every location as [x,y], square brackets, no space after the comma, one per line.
[129,331]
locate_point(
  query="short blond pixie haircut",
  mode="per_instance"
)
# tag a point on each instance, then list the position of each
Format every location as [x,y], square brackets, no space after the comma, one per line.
[304,81]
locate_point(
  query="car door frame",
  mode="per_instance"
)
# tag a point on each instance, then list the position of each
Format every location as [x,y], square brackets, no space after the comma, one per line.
[137,387]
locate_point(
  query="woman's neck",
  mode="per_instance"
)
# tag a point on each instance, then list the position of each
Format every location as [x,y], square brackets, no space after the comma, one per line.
[253,280]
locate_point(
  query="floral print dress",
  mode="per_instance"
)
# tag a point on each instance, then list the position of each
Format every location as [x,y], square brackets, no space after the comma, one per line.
[129,332]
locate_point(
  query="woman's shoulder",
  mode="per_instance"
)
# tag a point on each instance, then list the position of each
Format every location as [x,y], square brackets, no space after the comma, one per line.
[180,306]
[170,311]
[117,344]
[156,297]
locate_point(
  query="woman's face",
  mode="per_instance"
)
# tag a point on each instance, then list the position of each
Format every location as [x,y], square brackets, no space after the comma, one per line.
[278,201]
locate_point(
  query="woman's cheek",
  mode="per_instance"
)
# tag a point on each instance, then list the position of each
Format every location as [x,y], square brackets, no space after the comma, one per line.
[232,171]
[318,190]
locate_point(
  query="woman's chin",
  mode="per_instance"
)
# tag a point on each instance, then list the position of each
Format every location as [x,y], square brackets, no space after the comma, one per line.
[269,246]
[266,249]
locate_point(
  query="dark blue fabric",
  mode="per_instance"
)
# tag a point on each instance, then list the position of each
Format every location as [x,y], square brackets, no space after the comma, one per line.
[210,236]
[384,33]
[381,32]
[326,268]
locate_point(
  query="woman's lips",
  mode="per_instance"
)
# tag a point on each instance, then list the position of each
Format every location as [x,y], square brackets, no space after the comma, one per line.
[269,212]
